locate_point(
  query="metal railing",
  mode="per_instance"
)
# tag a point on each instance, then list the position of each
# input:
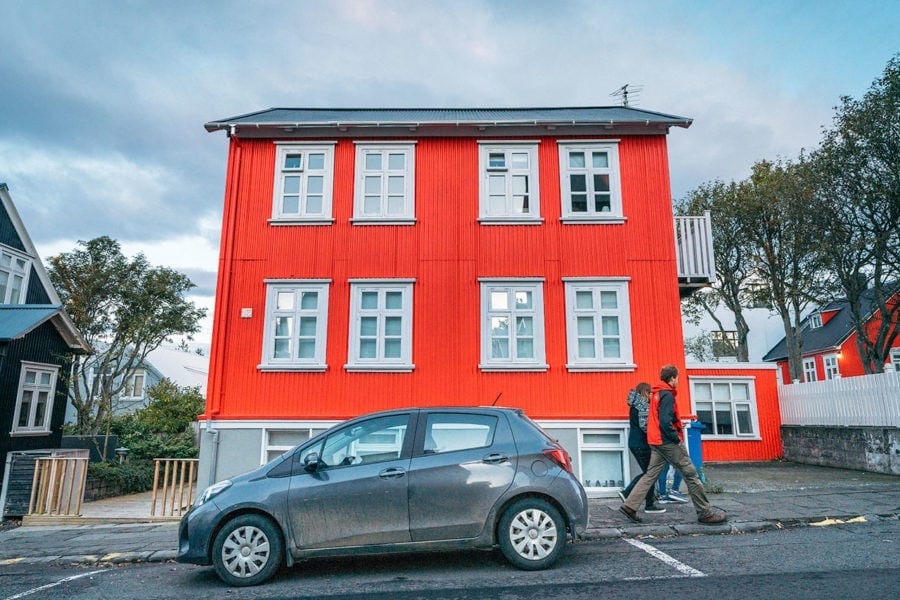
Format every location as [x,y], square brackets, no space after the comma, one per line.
[177,486]
[694,248]
[58,486]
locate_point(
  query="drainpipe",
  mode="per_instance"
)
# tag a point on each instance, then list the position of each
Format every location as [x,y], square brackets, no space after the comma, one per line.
[215,451]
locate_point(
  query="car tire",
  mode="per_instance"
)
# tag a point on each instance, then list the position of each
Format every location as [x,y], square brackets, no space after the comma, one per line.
[247,550]
[532,534]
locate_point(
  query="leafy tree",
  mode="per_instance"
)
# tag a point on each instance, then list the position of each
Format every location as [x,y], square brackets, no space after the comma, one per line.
[700,347]
[779,209]
[125,308]
[858,168]
[162,429]
[734,269]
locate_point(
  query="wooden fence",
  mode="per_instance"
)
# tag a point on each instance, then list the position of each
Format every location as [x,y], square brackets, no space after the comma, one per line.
[175,484]
[865,401]
[58,486]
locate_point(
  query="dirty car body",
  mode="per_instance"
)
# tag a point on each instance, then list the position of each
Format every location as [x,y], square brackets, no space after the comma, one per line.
[396,481]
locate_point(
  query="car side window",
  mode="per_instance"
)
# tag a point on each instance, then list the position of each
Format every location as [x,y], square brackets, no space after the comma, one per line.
[376,440]
[449,432]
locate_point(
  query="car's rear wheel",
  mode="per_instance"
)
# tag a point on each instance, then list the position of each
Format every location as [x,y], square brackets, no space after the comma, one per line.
[532,534]
[248,550]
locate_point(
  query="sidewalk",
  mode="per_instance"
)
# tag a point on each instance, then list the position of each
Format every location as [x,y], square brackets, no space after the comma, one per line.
[756,497]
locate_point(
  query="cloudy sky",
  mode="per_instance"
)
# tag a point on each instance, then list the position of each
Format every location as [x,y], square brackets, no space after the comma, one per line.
[102,103]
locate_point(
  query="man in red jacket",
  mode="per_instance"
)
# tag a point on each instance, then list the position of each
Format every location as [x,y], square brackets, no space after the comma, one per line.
[664,434]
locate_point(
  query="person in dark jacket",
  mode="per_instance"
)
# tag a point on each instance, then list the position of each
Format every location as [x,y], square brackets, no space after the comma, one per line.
[639,404]
[664,435]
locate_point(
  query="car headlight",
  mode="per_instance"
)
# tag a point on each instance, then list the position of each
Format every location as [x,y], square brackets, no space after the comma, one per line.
[212,491]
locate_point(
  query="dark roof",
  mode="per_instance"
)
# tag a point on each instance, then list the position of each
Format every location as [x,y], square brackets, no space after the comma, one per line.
[17,320]
[831,334]
[458,117]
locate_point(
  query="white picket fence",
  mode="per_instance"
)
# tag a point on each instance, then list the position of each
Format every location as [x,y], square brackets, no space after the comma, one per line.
[869,400]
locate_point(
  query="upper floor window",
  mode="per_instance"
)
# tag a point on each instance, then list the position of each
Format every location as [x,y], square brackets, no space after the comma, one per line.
[512,325]
[815,320]
[385,183]
[598,324]
[809,369]
[726,407]
[895,358]
[14,270]
[303,183]
[134,384]
[380,325]
[34,402]
[830,362]
[509,182]
[296,325]
[589,181]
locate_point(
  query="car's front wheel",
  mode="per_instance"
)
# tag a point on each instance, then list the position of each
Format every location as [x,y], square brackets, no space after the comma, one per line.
[532,534]
[248,550]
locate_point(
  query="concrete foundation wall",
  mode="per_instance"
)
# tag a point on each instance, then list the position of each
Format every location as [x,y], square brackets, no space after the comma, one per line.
[875,449]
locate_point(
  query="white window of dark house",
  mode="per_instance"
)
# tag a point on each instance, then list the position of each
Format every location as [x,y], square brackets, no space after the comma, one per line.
[34,401]
[815,320]
[14,270]
[508,174]
[296,325]
[895,358]
[303,184]
[589,181]
[809,369]
[598,324]
[830,362]
[512,325]
[725,406]
[385,183]
[381,314]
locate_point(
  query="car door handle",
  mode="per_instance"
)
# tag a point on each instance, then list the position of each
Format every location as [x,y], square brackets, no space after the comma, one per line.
[392,473]
[495,459]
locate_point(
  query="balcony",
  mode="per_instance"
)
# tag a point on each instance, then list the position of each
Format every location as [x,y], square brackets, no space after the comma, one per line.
[694,254]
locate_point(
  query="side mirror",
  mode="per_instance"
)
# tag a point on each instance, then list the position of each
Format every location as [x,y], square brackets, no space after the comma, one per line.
[311,461]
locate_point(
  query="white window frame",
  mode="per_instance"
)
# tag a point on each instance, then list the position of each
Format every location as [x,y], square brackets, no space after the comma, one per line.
[304,172]
[618,448]
[408,215]
[35,388]
[15,268]
[815,320]
[130,378]
[749,403]
[534,285]
[810,372]
[297,287]
[611,147]
[595,286]
[359,287]
[269,446]
[895,358]
[508,170]
[832,369]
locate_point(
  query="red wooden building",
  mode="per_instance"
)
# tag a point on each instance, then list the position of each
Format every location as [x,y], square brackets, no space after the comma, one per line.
[376,258]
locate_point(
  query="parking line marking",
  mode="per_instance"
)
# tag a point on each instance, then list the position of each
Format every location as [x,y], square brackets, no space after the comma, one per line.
[54,584]
[680,566]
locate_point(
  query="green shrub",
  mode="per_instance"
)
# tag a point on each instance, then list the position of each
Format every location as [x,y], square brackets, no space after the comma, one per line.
[130,478]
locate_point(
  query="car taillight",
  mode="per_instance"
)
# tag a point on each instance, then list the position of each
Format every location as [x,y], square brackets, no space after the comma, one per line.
[560,457]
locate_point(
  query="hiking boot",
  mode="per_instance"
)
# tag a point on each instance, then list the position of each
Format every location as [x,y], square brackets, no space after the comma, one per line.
[654,509]
[631,514]
[712,519]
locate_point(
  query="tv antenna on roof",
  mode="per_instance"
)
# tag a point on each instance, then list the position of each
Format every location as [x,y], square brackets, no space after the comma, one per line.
[628,94]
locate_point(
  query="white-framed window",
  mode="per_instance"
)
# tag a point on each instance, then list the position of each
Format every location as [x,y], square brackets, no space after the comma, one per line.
[815,320]
[602,454]
[385,183]
[512,324]
[832,371]
[134,384]
[303,183]
[508,174]
[809,369]
[598,324]
[296,325]
[14,271]
[34,402]
[895,358]
[278,441]
[726,406]
[381,312]
[589,181]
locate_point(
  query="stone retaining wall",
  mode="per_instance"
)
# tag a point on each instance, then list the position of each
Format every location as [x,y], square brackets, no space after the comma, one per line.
[875,449]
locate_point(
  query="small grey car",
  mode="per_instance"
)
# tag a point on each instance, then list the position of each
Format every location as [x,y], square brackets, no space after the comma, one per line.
[399,481]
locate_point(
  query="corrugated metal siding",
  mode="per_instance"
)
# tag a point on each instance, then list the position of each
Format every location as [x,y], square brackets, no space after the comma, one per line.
[768,412]
[446,252]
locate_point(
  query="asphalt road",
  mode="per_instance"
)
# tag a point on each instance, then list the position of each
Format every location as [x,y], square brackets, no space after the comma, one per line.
[838,561]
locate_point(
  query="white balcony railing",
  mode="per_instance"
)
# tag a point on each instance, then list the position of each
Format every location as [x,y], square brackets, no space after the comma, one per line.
[694,251]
